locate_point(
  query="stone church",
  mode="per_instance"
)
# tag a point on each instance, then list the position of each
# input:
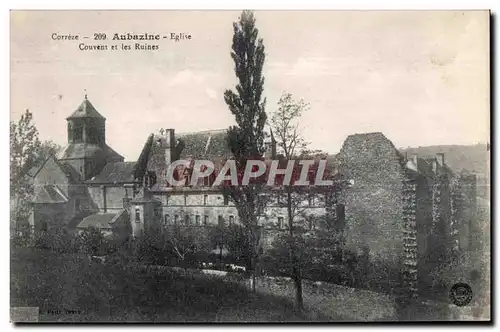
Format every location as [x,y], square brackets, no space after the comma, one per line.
[405,210]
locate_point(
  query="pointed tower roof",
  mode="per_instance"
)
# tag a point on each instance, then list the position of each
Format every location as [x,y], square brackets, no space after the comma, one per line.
[86,110]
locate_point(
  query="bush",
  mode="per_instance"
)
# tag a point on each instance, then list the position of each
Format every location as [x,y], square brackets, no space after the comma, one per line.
[59,241]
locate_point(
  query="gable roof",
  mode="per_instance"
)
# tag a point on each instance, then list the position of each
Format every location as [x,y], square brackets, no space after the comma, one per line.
[86,110]
[115,172]
[50,194]
[67,169]
[101,220]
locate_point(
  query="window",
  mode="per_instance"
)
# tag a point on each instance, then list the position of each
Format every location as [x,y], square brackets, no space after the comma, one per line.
[311,200]
[78,133]
[221,221]
[77,204]
[205,199]
[281,222]
[231,220]
[226,199]
[137,214]
[278,199]
[185,199]
[166,199]
[198,220]
[205,220]
[176,219]
[167,219]
[187,220]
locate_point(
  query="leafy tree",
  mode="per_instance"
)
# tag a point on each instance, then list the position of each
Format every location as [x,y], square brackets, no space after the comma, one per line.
[93,242]
[24,147]
[47,149]
[246,140]
[26,151]
[186,243]
[235,241]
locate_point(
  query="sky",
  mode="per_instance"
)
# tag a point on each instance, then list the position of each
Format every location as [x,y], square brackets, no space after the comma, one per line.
[421,78]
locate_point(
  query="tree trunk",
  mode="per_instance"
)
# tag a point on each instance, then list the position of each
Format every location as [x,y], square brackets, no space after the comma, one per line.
[253,276]
[299,301]
[293,259]
[185,284]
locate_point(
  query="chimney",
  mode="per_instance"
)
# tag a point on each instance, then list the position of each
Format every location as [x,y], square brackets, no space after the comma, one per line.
[169,145]
[104,202]
[414,158]
[440,159]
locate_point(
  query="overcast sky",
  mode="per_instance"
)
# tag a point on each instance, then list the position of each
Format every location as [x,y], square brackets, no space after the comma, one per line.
[421,78]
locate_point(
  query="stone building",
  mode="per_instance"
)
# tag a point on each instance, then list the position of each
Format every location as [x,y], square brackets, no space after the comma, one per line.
[405,212]
[411,213]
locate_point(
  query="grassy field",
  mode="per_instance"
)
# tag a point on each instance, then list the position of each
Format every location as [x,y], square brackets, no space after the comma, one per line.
[66,288]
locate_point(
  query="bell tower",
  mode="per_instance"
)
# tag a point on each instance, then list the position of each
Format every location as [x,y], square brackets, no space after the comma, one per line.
[86,125]
[87,151]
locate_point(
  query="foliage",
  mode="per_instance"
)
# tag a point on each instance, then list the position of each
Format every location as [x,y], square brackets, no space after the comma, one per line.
[26,151]
[285,125]
[93,242]
[24,145]
[57,240]
[236,242]
[186,244]
[47,149]
[246,140]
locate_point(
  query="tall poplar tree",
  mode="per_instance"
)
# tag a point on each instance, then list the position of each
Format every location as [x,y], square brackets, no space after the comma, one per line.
[246,140]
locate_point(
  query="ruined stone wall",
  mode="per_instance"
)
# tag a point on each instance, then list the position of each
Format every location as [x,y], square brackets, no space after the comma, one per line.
[374,202]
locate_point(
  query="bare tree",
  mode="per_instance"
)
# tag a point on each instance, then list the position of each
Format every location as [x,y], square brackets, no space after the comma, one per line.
[296,199]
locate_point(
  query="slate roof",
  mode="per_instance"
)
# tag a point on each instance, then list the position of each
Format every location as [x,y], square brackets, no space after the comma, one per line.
[205,144]
[86,150]
[34,170]
[100,220]
[50,194]
[145,199]
[115,172]
[210,145]
[70,172]
[86,110]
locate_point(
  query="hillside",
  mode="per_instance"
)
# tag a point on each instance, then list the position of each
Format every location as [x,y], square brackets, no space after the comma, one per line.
[473,158]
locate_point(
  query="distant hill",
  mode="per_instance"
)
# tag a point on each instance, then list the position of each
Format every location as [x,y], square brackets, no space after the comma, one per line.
[472,158]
